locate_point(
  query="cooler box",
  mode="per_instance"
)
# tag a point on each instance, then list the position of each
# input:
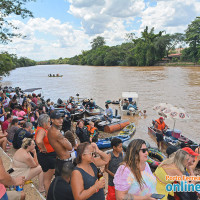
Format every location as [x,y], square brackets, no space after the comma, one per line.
[168,133]
[176,133]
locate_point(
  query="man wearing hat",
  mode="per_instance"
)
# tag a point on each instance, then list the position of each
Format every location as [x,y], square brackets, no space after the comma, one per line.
[60,144]
[160,128]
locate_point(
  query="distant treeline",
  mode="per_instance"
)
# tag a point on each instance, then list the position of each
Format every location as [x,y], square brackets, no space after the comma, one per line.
[9,62]
[146,50]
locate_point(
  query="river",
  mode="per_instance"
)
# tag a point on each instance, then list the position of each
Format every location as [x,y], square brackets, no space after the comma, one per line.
[179,86]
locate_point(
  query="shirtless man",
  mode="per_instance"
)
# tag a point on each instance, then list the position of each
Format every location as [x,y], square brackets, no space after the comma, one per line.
[59,143]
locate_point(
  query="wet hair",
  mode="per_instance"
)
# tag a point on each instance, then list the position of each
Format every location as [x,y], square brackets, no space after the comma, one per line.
[43,119]
[132,159]
[70,136]
[115,142]
[80,151]
[26,142]
[14,121]
[67,169]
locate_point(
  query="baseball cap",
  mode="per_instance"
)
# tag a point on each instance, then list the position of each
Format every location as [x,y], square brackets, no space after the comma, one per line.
[190,151]
[161,118]
[55,115]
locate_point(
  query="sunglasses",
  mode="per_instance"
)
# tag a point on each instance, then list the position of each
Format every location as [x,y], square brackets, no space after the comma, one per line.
[91,153]
[144,150]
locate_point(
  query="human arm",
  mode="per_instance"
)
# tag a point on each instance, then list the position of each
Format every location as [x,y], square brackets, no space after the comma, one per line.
[29,160]
[64,142]
[39,140]
[106,167]
[6,179]
[3,110]
[77,186]
[103,159]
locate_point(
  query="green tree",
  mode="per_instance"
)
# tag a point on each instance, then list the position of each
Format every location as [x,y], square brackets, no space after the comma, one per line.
[98,42]
[6,64]
[193,38]
[7,8]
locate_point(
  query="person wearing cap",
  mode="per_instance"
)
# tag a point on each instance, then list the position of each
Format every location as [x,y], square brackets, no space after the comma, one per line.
[59,143]
[160,128]
[194,159]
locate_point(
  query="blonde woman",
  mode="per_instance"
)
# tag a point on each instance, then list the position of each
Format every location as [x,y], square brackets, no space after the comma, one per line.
[174,166]
[24,164]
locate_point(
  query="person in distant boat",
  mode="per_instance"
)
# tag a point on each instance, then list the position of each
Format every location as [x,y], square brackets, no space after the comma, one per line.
[125,104]
[108,113]
[132,104]
[160,127]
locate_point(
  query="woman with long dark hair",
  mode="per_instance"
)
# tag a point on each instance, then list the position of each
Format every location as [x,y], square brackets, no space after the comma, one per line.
[134,179]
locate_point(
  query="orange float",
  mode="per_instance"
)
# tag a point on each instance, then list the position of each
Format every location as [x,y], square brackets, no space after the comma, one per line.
[110,128]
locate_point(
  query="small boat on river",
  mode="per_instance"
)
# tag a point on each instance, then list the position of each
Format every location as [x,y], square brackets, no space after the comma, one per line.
[96,111]
[129,130]
[54,75]
[129,98]
[173,138]
[106,142]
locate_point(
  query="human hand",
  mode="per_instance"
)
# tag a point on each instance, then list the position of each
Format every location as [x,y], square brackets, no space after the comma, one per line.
[100,183]
[20,180]
[33,151]
[95,147]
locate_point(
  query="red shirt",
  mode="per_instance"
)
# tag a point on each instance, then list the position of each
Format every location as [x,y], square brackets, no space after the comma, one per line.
[5,125]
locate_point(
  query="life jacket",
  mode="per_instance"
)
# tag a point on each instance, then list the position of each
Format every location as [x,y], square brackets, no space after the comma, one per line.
[48,147]
[92,131]
[160,126]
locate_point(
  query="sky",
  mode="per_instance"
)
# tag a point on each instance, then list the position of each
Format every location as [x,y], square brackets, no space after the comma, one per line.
[64,28]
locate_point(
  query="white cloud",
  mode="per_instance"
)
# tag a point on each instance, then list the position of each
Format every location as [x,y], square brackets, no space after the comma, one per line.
[171,16]
[112,19]
[48,39]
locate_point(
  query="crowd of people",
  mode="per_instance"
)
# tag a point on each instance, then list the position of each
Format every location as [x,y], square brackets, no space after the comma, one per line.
[71,166]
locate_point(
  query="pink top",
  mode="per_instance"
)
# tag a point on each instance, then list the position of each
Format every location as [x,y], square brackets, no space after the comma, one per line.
[124,180]
[2,190]
[20,114]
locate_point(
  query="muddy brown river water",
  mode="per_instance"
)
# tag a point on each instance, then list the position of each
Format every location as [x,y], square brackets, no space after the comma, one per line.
[179,86]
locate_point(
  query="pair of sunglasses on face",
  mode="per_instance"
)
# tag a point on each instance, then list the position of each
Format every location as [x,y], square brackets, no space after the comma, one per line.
[91,153]
[144,150]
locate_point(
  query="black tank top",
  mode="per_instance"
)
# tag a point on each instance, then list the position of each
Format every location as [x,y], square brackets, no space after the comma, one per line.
[89,181]
[113,166]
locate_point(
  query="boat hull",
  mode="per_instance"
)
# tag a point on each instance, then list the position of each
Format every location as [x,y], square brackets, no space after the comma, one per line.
[106,143]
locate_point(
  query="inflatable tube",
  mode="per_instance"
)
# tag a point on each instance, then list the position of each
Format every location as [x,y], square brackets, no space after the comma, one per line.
[110,128]
[154,153]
